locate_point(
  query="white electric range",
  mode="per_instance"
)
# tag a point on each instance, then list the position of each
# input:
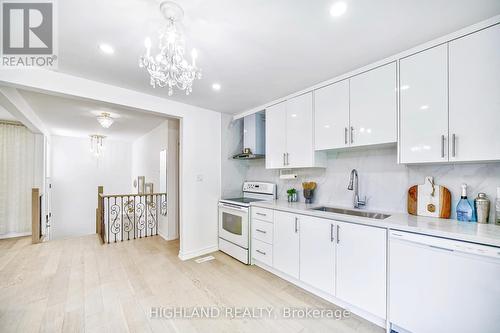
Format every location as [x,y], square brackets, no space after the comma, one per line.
[234,219]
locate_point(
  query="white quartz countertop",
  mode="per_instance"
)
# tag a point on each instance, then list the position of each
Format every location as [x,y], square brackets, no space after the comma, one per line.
[487,234]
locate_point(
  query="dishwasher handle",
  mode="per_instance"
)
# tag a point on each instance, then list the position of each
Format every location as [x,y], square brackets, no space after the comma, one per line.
[446,244]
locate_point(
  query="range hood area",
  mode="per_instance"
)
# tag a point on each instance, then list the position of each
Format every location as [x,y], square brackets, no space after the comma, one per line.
[254,137]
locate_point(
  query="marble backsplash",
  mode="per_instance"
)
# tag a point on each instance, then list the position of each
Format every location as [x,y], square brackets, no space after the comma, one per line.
[382,180]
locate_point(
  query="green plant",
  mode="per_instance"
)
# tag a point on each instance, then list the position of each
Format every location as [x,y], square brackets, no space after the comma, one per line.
[291,191]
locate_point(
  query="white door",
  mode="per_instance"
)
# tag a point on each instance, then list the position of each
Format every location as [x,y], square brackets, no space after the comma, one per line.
[424,106]
[373,106]
[361,267]
[299,131]
[317,253]
[475,96]
[276,136]
[331,116]
[286,243]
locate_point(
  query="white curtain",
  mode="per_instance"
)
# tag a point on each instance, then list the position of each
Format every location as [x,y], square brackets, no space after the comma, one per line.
[17,150]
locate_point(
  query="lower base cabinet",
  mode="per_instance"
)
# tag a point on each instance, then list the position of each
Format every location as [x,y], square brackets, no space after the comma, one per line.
[286,243]
[317,253]
[361,267]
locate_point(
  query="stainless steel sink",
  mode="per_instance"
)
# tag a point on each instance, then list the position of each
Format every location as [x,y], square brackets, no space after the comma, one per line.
[370,215]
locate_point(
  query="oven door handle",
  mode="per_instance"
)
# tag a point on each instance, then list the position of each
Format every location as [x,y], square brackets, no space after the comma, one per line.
[226,205]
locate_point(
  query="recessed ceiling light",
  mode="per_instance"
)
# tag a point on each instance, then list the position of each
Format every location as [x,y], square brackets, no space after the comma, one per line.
[338,9]
[216,86]
[106,48]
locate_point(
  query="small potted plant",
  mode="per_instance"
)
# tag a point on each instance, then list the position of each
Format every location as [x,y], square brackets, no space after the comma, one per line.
[292,195]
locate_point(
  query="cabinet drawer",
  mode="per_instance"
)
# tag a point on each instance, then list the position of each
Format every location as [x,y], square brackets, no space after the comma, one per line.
[262,252]
[263,214]
[262,231]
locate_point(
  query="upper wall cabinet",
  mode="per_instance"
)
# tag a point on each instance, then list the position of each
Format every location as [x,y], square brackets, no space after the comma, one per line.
[374,106]
[289,135]
[331,116]
[450,105]
[359,111]
[424,106]
[475,96]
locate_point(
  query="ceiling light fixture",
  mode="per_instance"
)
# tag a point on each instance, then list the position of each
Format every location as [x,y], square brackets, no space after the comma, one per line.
[168,67]
[338,9]
[106,48]
[97,144]
[216,86]
[105,120]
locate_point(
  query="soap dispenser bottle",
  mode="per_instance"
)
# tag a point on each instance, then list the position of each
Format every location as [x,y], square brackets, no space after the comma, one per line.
[464,208]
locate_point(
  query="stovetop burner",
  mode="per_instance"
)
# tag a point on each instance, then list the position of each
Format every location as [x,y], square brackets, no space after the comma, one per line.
[243,200]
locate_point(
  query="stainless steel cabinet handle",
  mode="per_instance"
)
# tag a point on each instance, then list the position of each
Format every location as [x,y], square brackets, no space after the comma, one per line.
[442,145]
[284,163]
[352,134]
[261,252]
[345,134]
[262,231]
[453,144]
[331,233]
[296,224]
[287,163]
[261,214]
[338,233]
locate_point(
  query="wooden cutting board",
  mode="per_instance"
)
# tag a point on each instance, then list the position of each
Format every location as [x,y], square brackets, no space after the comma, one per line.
[429,199]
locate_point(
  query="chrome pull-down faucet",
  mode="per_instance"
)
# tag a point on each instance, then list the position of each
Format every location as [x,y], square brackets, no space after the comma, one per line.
[353,185]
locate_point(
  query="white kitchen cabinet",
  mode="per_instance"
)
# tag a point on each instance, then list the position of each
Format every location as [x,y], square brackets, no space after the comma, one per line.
[289,135]
[424,106]
[317,253]
[361,267]
[286,243]
[373,106]
[331,116]
[299,128]
[474,88]
[275,136]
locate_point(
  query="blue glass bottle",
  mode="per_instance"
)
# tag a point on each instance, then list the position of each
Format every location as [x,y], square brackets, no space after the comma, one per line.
[464,208]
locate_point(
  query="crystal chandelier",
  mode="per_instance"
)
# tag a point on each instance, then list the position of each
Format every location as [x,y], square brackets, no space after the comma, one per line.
[105,120]
[168,67]
[97,144]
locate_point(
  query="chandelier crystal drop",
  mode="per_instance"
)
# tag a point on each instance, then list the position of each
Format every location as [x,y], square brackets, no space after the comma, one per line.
[97,144]
[169,67]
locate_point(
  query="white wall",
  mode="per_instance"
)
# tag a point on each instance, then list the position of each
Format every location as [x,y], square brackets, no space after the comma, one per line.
[200,154]
[146,162]
[76,174]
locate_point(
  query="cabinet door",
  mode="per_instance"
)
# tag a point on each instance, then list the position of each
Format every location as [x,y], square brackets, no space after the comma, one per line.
[275,135]
[475,96]
[361,267]
[317,253]
[331,116]
[424,106]
[299,131]
[286,243]
[373,106]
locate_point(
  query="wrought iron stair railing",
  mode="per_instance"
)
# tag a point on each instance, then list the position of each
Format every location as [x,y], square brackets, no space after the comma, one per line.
[122,217]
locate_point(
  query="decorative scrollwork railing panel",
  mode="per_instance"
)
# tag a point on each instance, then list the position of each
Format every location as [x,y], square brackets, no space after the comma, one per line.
[131,216]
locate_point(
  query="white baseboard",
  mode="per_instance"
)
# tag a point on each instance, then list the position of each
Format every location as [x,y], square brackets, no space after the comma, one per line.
[15,234]
[166,238]
[196,253]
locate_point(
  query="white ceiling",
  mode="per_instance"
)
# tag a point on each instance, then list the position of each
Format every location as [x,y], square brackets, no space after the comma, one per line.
[5,115]
[258,50]
[77,118]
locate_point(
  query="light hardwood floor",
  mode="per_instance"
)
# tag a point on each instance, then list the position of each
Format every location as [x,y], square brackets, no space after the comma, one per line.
[79,285]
